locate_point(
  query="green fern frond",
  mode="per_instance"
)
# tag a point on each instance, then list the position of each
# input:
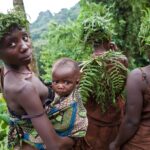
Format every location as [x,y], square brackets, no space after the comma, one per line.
[104,78]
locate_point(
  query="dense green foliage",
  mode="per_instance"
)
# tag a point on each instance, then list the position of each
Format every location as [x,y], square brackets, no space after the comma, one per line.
[144,34]
[68,40]
[3,124]
[63,41]
[127,16]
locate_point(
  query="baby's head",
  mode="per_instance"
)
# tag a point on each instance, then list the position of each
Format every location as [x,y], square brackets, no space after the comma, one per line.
[65,76]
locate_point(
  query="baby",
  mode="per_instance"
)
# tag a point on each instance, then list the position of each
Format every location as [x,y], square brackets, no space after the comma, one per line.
[67,112]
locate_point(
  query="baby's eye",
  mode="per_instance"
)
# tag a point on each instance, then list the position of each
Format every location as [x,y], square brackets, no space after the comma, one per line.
[67,82]
[55,82]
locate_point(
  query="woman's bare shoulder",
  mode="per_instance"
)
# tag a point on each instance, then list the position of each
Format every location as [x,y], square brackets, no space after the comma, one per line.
[135,72]
[134,77]
[15,86]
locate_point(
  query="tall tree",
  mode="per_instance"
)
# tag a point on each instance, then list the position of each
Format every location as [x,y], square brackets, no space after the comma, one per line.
[18,4]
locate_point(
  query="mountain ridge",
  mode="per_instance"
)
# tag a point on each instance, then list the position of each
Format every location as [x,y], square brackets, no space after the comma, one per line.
[40,25]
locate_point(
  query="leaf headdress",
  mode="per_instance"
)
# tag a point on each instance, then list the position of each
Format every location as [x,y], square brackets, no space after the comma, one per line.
[97,25]
[12,18]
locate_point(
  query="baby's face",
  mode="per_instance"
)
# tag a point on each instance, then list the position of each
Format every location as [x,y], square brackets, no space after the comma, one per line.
[64,81]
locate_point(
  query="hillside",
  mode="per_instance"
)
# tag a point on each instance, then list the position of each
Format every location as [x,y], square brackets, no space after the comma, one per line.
[40,26]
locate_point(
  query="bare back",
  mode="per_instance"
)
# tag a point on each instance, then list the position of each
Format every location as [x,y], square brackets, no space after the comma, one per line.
[145,78]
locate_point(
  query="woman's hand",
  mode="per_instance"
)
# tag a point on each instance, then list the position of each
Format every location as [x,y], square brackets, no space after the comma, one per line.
[66,143]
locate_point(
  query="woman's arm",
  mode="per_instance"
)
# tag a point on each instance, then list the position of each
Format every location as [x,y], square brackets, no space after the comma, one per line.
[134,104]
[29,99]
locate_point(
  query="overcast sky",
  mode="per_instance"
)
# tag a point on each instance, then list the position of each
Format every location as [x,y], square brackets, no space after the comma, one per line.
[33,7]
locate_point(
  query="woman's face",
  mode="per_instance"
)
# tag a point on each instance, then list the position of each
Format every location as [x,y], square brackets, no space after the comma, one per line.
[99,49]
[16,48]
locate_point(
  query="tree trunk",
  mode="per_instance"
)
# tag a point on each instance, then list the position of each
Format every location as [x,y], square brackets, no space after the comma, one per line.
[19,6]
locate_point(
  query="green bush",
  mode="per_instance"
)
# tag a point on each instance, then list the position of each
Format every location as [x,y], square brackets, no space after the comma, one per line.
[4,120]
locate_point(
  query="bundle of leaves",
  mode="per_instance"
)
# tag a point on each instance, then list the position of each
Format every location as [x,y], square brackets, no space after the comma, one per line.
[96,23]
[144,34]
[103,78]
[97,29]
[12,18]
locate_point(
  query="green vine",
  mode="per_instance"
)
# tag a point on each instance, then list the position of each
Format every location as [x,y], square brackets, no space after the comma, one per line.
[104,78]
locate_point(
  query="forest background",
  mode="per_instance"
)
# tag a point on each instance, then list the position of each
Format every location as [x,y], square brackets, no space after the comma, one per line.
[60,35]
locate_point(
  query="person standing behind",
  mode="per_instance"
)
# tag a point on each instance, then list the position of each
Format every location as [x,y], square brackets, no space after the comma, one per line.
[103,125]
